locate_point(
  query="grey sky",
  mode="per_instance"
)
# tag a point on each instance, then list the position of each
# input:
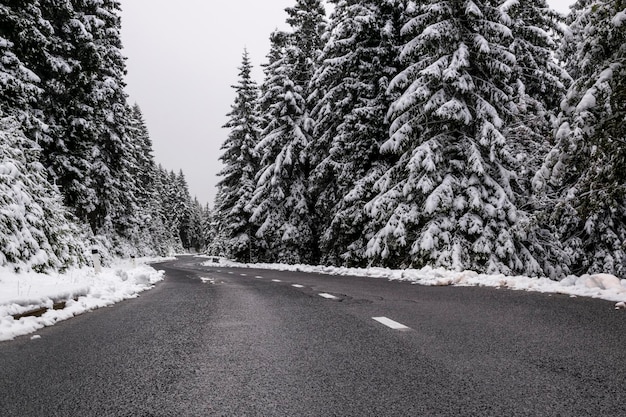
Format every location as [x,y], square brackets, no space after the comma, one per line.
[182,61]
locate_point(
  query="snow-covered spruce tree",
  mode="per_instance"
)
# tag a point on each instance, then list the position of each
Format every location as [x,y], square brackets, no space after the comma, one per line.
[585,172]
[350,84]
[19,85]
[115,212]
[180,201]
[165,186]
[281,205]
[36,230]
[84,106]
[539,81]
[240,168]
[148,235]
[540,84]
[208,229]
[197,239]
[450,200]
[308,21]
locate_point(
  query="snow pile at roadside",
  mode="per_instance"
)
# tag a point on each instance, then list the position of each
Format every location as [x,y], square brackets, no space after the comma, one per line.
[71,293]
[604,286]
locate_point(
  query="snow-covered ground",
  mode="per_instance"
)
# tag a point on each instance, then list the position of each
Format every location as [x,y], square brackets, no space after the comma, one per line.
[80,290]
[604,286]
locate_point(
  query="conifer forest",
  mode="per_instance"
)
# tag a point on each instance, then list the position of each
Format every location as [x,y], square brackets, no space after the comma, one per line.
[76,163]
[485,135]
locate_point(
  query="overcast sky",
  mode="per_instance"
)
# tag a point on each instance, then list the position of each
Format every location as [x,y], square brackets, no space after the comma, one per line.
[182,62]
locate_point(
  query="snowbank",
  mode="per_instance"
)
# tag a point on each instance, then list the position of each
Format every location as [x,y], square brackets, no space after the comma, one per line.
[604,286]
[67,295]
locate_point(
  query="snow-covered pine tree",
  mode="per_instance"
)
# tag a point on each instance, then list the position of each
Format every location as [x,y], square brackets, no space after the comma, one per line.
[350,84]
[148,235]
[540,84]
[281,205]
[83,104]
[539,81]
[110,167]
[66,79]
[165,191]
[585,172]
[307,19]
[449,201]
[197,240]
[19,85]
[36,230]
[180,198]
[240,168]
[208,228]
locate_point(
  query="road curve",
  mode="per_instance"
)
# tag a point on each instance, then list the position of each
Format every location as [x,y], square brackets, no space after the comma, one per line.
[242,342]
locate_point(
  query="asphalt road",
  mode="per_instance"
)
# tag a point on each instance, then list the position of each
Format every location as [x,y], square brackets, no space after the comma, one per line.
[241,342]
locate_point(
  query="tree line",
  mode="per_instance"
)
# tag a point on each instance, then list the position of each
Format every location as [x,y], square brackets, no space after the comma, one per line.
[477,134]
[76,163]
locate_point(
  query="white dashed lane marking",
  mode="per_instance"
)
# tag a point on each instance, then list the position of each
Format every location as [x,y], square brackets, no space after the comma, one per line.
[390,323]
[276,280]
[244,275]
[298,286]
[258,277]
[326,295]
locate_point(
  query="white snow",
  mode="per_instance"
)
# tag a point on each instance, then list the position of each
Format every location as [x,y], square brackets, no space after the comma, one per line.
[81,290]
[602,286]
[619,18]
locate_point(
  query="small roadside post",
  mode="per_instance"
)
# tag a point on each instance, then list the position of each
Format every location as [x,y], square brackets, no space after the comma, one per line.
[95,255]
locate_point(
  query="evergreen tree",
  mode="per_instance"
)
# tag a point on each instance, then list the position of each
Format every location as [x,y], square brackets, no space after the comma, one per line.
[539,84]
[450,199]
[19,85]
[165,188]
[36,230]
[148,236]
[585,172]
[308,21]
[208,229]
[281,205]
[351,82]
[75,50]
[240,167]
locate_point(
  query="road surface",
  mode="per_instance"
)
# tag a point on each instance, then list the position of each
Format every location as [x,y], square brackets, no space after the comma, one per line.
[242,342]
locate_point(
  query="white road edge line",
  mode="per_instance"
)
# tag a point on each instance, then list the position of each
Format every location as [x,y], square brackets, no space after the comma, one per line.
[326,295]
[298,286]
[390,323]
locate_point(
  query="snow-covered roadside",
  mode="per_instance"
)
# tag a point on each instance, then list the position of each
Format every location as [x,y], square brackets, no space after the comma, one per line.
[603,286]
[76,290]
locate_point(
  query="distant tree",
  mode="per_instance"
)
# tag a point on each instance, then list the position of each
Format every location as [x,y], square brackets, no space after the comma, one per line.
[240,167]
[208,228]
